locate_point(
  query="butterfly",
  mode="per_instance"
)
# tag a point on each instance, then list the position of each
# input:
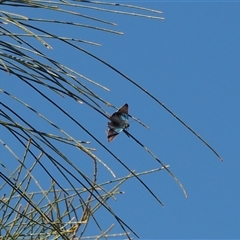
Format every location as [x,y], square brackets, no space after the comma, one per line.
[119,122]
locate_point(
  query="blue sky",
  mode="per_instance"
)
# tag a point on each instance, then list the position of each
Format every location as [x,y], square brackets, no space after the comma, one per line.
[190,62]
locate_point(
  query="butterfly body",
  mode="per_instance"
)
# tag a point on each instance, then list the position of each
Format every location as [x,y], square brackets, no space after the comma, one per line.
[119,122]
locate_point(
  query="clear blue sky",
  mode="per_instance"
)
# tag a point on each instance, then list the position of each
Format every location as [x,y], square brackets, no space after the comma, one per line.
[191,62]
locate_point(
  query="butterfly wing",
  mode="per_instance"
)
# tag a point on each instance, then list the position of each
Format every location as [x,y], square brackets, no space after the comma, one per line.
[116,119]
[119,117]
[123,109]
[111,134]
[116,129]
[119,122]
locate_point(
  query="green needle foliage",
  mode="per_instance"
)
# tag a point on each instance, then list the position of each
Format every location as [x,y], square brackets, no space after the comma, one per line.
[44,192]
